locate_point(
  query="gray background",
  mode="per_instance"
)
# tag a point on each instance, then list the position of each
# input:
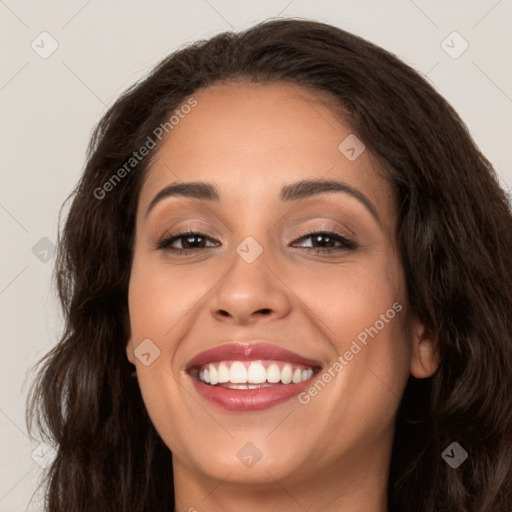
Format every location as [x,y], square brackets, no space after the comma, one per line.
[50,105]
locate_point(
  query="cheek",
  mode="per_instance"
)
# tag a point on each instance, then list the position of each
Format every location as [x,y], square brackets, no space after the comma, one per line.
[349,298]
[161,305]
[161,298]
[361,311]
[363,316]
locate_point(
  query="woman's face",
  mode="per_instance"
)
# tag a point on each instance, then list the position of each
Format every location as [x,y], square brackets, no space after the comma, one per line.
[257,281]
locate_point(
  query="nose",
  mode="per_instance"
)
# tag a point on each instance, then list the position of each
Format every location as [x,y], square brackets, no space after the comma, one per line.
[250,293]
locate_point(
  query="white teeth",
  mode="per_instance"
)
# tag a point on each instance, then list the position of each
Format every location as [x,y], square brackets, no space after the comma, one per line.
[253,374]
[286,374]
[256,374]
[223,373]
[212,371]
[238,373]
[273,373]
[304,375]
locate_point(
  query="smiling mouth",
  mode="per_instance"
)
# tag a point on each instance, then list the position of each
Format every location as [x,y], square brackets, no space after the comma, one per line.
[252,374]
[246,377]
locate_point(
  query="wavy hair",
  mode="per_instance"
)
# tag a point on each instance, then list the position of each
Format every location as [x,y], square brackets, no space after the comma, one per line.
[454,232]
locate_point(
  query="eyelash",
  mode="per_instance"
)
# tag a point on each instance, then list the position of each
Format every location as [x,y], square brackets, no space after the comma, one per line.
[165,242]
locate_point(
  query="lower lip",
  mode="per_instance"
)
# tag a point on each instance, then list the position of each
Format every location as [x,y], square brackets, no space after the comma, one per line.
[249,399]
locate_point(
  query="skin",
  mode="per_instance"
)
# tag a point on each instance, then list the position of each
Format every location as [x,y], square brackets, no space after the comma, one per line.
[332,453]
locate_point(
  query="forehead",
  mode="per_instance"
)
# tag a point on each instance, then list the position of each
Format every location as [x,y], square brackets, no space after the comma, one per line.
[250,139]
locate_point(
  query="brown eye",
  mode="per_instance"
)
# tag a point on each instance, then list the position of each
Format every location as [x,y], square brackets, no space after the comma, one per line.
[189,241]
[325,241]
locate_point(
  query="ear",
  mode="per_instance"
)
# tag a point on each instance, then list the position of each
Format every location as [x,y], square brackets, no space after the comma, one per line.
[425,351]
[129,351]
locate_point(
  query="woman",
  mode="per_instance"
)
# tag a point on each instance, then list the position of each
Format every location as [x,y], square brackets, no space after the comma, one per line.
[286,274]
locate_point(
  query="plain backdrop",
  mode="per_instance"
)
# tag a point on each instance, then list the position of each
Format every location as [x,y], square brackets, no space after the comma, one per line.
[50,103]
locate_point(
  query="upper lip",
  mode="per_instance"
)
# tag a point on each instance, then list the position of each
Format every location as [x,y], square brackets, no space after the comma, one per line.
[242,351]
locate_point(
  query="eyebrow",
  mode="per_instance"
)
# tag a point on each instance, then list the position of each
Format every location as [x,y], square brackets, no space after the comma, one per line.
[293,192]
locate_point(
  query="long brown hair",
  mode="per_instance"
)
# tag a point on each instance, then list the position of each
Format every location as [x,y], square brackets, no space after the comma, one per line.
[454,232]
